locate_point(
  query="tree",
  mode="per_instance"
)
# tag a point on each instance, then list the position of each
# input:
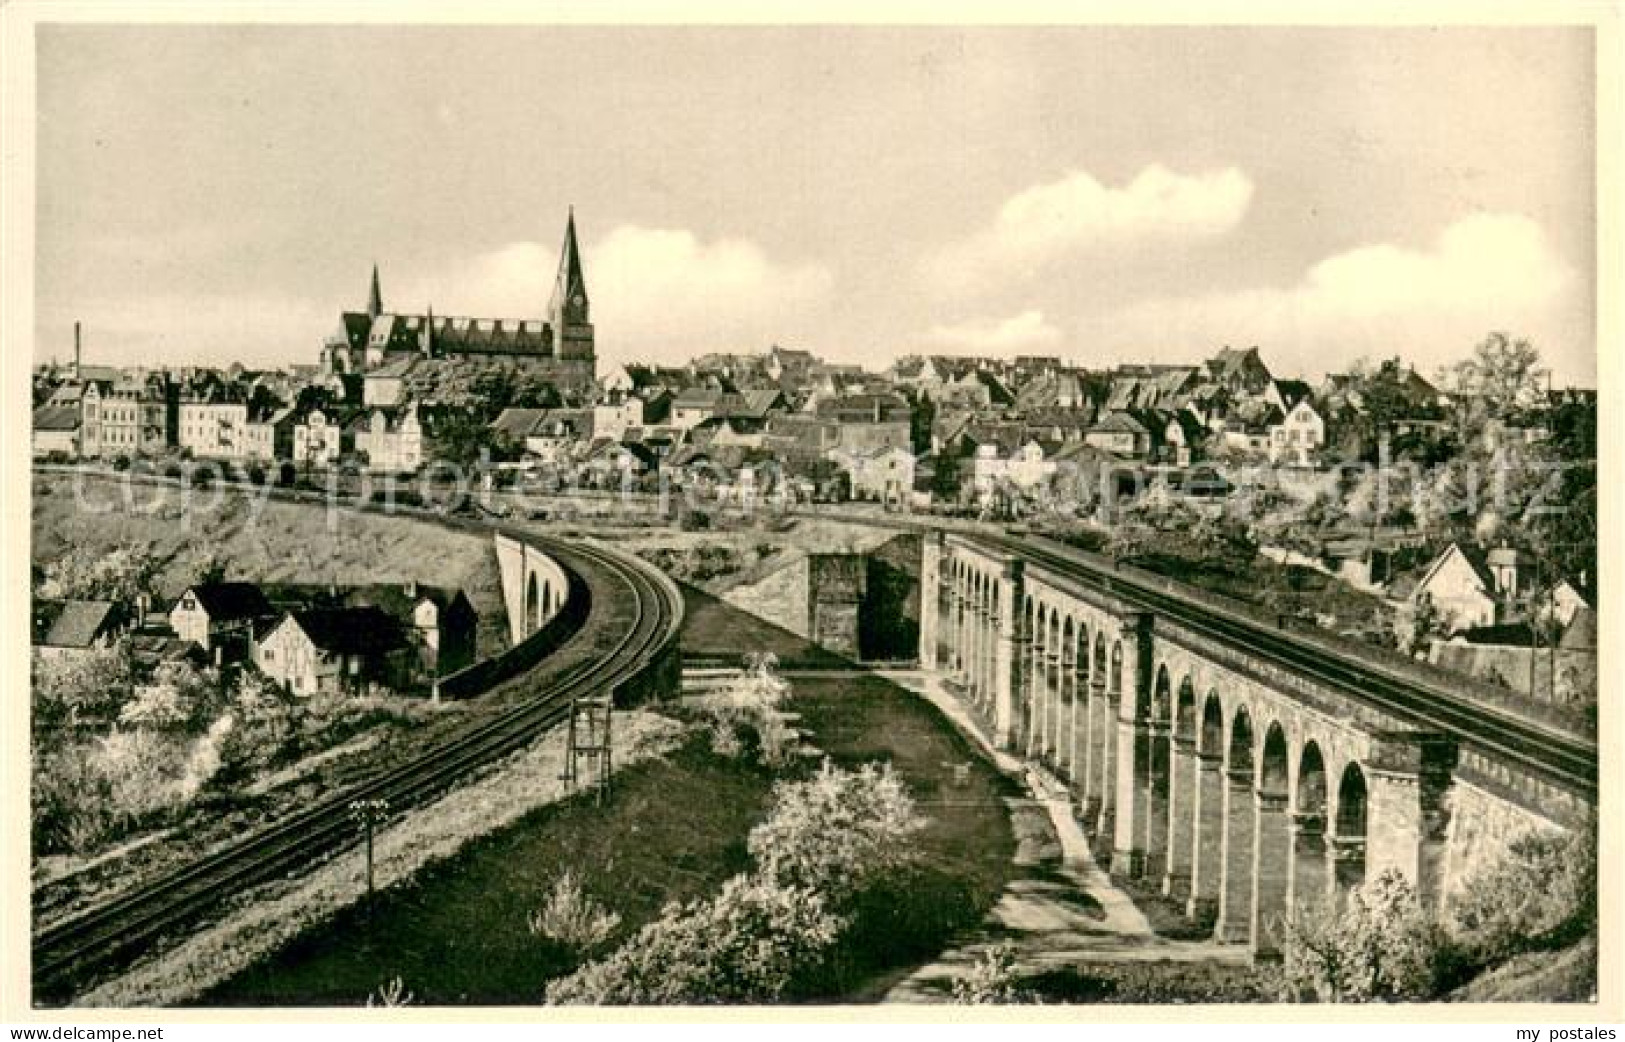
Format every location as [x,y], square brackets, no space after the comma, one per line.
[122,575]
[1541,892]
[992,981]
[837,830]
[1503,375]
[946,479]
[73,691]
[1381,947]
[922,419]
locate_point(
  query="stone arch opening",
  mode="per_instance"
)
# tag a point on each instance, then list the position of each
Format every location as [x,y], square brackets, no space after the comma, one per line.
[1183,777]
[1235,923]
[1066,716]
[1271,842]
[1349,842]
[1207,853]
[1272,770]
[1311,874]
[533,605]
[1158,764]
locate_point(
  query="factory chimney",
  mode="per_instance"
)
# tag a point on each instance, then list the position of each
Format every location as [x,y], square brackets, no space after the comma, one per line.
[76,371]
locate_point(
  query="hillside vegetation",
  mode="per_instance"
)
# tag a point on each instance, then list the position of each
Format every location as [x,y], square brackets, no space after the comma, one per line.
[262,540]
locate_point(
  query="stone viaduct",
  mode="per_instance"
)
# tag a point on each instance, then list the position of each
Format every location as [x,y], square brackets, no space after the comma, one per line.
[534,586]
[1235,787]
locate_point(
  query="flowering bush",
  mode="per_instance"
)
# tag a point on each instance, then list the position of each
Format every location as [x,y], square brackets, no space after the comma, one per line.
[1544,889]
[1380,947]
[771,929]
[747,944]
[572,918]
[992,980]
[835,831]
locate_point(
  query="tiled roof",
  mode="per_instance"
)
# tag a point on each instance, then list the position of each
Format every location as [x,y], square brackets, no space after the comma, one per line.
[56,418]
[72,624]
[232,600]
[351,631]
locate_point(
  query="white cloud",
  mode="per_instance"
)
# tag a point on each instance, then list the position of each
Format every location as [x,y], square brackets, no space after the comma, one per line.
[1078,214]
[1429,305]
[657,294]
[1026,331]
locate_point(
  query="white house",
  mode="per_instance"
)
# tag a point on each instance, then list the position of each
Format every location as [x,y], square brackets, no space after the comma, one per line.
[214,430]
[884,474]
[317,439]
[1298,436]
[208,613]
[616,414]
[333,649]
[391,438]
[1462,588]
[1027,467]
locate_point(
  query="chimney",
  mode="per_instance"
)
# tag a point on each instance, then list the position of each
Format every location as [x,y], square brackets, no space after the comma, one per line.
[411,588]
[76,375]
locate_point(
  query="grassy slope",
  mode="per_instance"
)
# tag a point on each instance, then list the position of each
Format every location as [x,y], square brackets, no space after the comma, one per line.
[457,934]
[267,541]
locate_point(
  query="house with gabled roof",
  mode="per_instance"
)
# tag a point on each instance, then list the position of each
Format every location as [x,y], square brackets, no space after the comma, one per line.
[329,650]
[56,431]
[1461,587]
[1120,433]
[212,614]
[66,627]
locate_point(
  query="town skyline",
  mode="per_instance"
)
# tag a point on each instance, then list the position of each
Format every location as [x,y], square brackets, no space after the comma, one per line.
[1323,228]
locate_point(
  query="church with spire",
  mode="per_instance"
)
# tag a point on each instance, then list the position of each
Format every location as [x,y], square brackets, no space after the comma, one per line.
[557,348]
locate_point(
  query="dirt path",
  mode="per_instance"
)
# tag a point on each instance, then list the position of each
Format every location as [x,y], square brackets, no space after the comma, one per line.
[1061,909]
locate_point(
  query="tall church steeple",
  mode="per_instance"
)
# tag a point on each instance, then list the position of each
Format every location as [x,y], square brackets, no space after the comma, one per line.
[375,298]
[569,312]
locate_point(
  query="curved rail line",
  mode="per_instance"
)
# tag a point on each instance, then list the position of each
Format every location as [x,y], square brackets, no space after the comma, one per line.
[1548,753]
[70,952]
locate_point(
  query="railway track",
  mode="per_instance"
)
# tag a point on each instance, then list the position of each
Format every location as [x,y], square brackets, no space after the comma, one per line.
[1550,753]
[69,954]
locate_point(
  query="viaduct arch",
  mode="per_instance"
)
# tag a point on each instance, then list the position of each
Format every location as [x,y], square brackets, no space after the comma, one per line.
[1237,788]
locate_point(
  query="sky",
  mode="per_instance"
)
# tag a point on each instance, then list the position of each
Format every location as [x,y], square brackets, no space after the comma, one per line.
[208,194]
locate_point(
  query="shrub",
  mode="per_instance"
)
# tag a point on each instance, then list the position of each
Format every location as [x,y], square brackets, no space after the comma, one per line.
[747,944]
[121,463]
[1380,947]
[837,830]
[1541,892]
[572,918]
[744,720]
[390,995]
[992,980]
